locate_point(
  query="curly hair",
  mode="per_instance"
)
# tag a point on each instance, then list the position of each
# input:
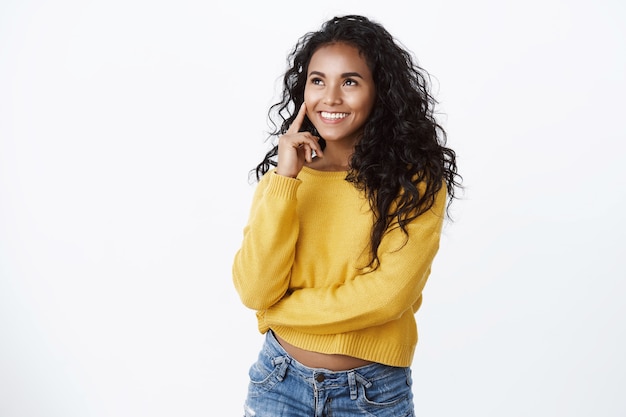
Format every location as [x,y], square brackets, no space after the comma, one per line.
[401,161]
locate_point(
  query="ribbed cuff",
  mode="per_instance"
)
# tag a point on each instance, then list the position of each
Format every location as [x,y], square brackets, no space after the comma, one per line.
[282,187]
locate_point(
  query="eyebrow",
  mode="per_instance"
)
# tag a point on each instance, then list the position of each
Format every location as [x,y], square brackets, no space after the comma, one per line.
[344,75]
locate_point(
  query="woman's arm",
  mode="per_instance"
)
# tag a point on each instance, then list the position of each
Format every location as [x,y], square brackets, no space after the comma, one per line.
[262,266]
[373,298]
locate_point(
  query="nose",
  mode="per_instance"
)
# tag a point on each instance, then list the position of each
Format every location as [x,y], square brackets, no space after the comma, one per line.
[332,95]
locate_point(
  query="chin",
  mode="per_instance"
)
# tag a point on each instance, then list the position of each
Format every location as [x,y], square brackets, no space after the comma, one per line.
[330,135]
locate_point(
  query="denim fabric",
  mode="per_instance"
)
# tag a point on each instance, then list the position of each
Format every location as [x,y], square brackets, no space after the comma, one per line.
[282,387]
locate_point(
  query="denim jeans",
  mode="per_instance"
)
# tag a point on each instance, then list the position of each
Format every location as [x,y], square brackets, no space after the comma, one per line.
[282,387]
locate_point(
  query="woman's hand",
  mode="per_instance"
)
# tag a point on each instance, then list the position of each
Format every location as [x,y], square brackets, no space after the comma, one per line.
[294,147]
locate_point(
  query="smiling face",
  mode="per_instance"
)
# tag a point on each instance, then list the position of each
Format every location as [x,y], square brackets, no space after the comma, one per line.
[339,93]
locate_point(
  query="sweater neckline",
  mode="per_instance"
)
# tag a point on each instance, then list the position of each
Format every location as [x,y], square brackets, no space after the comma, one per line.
[324,174]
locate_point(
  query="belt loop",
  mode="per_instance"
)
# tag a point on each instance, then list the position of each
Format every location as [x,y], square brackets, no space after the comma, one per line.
[352,384]
[283,362]
[363,381]
[409,377]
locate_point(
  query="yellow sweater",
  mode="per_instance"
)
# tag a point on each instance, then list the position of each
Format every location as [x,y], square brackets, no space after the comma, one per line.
[300,266]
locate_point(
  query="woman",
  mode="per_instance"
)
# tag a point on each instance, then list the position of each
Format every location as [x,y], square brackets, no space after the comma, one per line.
[344,226]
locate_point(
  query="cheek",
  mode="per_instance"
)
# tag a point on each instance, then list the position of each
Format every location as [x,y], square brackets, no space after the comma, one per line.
[310,106]
[309,96]
[363,104]
[311,101]
[369,104]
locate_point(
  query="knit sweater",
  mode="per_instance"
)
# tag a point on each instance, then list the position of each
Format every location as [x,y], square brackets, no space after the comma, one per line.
[302,267]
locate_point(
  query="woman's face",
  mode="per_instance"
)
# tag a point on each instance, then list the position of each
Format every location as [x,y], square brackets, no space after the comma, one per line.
[339,92]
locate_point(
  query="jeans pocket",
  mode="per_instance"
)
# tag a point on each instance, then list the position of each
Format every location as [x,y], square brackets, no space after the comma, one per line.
[391,397]
[265,373]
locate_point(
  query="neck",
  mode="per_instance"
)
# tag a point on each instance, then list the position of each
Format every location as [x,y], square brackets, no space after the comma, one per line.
[336,158]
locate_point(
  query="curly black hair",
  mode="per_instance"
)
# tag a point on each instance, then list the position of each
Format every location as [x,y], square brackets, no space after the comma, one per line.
[401,161]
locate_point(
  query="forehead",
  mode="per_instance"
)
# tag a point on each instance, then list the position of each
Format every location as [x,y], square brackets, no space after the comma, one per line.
[341,57]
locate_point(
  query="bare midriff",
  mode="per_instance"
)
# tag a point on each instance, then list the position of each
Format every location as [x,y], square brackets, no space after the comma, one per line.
[332,362]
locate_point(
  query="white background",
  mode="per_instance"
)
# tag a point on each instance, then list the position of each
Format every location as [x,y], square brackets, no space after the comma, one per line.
[127,130]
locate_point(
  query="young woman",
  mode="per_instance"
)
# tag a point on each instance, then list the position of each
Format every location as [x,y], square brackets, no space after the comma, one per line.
[344,226]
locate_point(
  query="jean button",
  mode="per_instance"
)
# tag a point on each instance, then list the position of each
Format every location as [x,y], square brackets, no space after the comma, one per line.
[320,378]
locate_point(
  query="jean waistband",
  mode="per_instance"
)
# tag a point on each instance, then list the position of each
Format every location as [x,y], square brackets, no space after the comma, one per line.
[366,375]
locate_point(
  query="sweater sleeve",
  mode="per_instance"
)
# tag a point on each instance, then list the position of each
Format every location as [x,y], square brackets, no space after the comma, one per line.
[372,298]
[262,266]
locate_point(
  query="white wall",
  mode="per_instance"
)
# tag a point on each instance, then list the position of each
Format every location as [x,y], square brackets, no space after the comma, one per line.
[127,129]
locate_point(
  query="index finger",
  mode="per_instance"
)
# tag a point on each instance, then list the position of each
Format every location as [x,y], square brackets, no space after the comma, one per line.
[297,122]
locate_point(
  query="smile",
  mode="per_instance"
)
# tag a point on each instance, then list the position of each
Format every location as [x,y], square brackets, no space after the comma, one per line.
[333,116]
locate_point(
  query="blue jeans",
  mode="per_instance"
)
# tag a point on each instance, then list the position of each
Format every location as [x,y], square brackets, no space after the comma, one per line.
[282,387]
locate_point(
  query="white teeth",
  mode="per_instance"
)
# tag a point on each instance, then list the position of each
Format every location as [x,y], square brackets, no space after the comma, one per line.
[327,115]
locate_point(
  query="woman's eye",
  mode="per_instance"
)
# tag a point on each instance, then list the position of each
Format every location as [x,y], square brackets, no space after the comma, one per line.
[350,82]
[316,81]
